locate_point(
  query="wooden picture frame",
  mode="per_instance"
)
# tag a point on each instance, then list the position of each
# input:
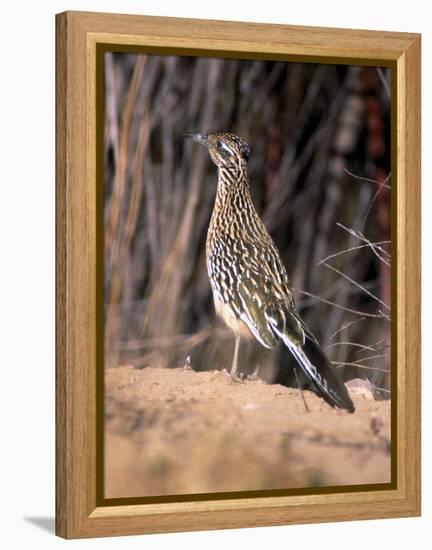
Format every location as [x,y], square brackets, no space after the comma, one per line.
[78,250]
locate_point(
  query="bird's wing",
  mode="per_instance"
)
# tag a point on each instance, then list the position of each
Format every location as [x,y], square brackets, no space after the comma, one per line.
[262,279]
[309,356]
[252,298]
[285,300]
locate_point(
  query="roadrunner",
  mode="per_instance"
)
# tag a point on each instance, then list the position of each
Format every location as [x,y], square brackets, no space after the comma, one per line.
[250,285]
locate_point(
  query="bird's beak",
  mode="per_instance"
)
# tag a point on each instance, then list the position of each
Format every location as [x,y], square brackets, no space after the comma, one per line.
[199,138]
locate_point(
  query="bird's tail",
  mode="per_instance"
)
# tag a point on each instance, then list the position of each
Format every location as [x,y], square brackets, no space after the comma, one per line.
[320,373]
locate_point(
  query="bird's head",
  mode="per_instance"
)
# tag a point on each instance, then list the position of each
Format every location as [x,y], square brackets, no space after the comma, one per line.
[226,150]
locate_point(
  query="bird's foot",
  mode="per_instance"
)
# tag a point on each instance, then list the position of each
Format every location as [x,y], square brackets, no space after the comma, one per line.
[233,377]
[254,376]
[229,377]
[188,364]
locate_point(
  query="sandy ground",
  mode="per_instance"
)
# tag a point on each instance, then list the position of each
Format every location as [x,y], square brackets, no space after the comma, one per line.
[176,431]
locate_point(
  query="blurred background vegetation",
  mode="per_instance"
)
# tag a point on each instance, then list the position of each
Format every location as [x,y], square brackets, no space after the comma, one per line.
[320,177]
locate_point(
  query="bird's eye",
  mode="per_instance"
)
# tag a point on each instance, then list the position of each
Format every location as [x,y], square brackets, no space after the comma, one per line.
[219,144]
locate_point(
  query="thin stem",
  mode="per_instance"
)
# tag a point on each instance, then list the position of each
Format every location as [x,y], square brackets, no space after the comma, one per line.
[340,364]
[358,285]
[380,315]
[355,248]
[362,178]
[301,390]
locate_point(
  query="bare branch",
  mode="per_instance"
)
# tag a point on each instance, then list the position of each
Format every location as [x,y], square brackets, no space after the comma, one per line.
[346,325]
[340,364]
[355,248]
[370,180]
[370,357]
[358,285]
[354,344]
[374,347]
[362,313]
[361,237]
[384,315]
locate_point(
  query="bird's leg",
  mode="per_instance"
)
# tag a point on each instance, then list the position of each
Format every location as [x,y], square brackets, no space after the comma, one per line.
[235,358]
[233,372]
[232,375]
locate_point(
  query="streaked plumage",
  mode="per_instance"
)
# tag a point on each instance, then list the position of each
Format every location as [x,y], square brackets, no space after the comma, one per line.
[248,279]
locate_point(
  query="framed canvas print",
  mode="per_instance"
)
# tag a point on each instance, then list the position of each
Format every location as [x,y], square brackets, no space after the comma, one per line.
[238,274]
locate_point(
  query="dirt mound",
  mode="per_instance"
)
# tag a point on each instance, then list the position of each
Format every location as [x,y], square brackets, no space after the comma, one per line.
[176,431]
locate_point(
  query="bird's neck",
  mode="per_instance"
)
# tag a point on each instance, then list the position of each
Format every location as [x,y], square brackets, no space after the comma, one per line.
[232,187]
[233,207]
